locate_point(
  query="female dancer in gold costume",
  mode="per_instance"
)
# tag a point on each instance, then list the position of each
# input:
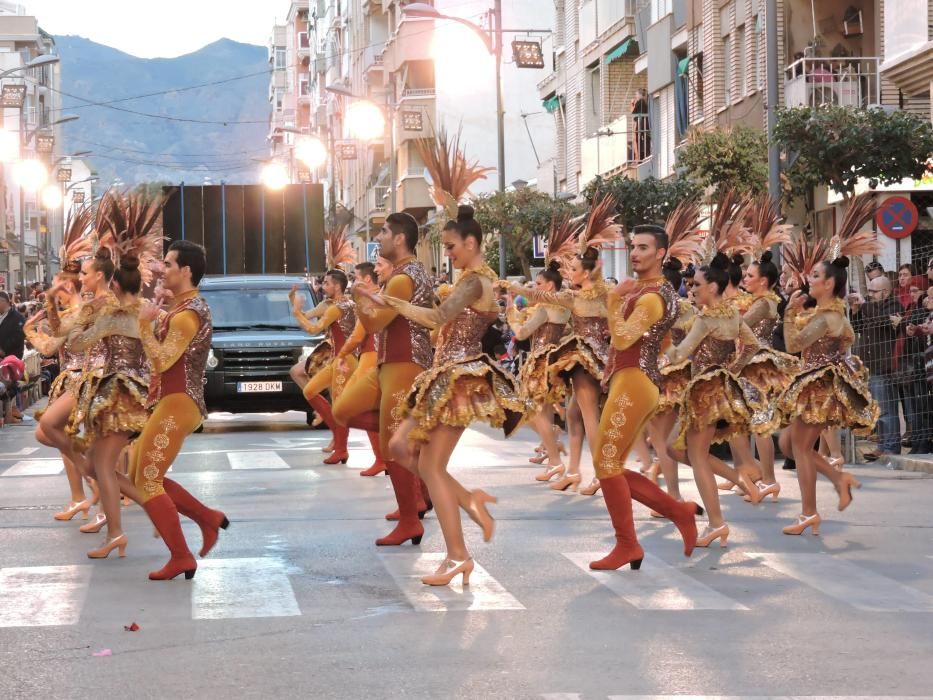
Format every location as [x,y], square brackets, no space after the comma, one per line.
[463,385]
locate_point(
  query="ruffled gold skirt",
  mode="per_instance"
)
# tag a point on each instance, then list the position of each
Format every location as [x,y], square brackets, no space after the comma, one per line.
[319,358]
[732,404]
[835,395]
[115,403]
[771,371]
[572,353]
[533,379]
[67,380]
[674,382]
[459,393]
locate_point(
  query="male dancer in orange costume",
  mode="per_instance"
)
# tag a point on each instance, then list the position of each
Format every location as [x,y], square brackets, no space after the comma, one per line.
[404,351]
[177,345]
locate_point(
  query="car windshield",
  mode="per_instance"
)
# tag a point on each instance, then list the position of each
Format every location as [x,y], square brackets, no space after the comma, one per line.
[254,308]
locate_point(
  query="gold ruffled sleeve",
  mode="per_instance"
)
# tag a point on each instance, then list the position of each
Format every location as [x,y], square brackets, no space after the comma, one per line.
[466,292]
[353,341]
[698,332]
[331,316]
[181,331]
[748,345]
[801,330]
[760,310]
[649,309]
[524,329]
[374,320]
[116,323]
[44,343]
[562,298]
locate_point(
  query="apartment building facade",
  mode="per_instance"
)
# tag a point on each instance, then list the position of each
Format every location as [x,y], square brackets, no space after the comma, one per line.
[21,211]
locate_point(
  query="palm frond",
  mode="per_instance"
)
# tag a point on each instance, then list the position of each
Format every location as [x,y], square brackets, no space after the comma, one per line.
[600,226]
[450,171]
[685,242]
[340,250]
[849,240]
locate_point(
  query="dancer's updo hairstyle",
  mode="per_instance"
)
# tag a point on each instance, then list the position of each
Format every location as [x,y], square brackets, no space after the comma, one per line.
[838,271]
[552,274]
[717,271]
[103,263]
[466,225]
[767,269]
[127,275]
[671,269]
[735,269]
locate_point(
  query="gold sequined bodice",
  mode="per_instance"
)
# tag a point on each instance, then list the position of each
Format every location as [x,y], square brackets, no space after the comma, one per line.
[462,336]
[825,351]
[594,330]
[125,355]
[712,352]
[547,334]
[764,330]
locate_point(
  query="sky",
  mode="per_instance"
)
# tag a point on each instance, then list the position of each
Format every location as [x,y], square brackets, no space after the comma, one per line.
[160,28]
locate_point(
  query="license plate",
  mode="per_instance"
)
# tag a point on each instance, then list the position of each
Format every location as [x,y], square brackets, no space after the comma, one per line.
[257,387]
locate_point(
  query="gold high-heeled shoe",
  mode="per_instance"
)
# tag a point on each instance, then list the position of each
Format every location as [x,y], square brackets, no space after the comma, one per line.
[591,488]
[568,481]
[710,534]
[102,552]
[551,472]
[845,491]
[477,511]
[95,525]
[73,509]
[804,522]
[448,571]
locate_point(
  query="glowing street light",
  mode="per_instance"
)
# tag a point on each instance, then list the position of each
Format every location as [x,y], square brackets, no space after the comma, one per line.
[51,197]
[31,174]
[311,151]
[365,120]
[274,176]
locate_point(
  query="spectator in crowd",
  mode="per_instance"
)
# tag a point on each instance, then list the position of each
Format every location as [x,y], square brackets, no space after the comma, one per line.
[873,321]
[908,362]
[12,344]
[874,269]
[925,330]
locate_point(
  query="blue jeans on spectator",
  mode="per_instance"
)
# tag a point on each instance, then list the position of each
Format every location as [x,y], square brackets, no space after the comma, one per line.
[884,390]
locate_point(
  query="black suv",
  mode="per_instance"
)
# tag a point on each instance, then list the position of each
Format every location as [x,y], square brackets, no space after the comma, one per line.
[256,341]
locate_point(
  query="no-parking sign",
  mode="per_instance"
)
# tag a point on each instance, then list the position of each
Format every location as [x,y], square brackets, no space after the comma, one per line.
[897,217]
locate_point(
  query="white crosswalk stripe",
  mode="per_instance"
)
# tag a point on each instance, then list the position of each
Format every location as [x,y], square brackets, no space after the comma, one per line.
[242,588]
[36,467]
[41,596]
[848,582]
[256,460]
[657,586]
[483,593]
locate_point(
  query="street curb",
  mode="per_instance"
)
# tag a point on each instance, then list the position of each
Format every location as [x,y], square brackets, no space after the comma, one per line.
[908,464]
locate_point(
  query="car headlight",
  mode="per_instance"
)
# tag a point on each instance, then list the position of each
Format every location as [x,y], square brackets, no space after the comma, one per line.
[306,351]
[212,360]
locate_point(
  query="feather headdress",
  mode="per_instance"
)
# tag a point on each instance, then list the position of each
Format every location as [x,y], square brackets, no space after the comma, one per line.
[77,242]
[727,230]
[763,219]
[130,225]
[600,226]
[340,250]
[802,254]
[452,175]
[685,242]
[561,240]
[849,240]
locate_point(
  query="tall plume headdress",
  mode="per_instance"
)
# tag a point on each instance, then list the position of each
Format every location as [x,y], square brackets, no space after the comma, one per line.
[849,240]
[802,254]
[78,241]
[450,172]
[727,230]
[685,242]
[764,223]
[130,225]
[600,226]
[561,241]
[340,250]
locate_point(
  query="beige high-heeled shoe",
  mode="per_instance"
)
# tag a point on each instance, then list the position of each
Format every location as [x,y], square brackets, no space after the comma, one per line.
[73,509]
[102,552]
[479,514]
[448,571]
[592,488]
[845,490]
[804,522]
[765,490]
[95,525]
[709,534]
[568,481]
[836,463]
[551,472]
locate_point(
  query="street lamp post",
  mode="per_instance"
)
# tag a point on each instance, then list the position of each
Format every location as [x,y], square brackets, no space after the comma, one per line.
[492,38]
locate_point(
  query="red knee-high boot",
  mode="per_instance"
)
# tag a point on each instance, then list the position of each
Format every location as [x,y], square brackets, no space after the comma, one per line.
[406,489]
[164,516]
[209,520]
[682,514]
[340,453]
[379,465]
[619,502]
[322,407]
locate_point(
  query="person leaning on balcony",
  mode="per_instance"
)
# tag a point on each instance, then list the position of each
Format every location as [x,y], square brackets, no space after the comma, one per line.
[871,319]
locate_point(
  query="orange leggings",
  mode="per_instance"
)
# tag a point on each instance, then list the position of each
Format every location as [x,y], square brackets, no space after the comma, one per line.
[175,417]
[632,400]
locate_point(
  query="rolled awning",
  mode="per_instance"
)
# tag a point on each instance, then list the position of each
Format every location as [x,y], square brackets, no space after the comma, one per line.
[682,65]
[619,51]
[552,103]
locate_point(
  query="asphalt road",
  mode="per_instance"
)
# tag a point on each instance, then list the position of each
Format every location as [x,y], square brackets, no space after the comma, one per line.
[296,601]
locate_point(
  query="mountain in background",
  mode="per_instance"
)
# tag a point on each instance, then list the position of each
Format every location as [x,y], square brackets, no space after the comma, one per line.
[139,149]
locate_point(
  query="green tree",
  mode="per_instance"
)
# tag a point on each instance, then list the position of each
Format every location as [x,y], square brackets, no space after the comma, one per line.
[727,158]
[153,189]
[646,201]
[518,215]
[839,146]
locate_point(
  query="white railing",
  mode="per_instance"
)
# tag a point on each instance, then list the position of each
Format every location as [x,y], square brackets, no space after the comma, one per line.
[416,93]
[377,198]
[847,82]
[624,141]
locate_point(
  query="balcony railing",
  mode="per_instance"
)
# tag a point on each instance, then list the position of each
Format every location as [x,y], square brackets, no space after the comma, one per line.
[847,82]
[377,198]
[417,93]
[626,141]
